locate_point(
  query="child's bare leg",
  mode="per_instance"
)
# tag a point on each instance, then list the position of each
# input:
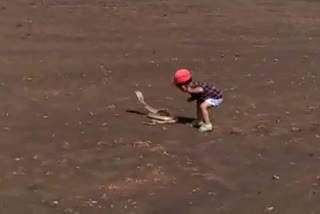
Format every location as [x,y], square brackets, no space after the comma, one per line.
[199,121]
[204,112]
[207,126]
[199,114]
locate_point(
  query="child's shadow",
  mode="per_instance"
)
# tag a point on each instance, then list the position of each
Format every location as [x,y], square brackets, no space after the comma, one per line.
[184,120]
[180,119]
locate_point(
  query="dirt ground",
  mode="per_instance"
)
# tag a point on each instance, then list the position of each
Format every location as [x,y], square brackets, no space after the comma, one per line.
[67,76]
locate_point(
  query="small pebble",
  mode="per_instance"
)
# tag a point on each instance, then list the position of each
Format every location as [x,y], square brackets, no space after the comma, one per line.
[236,131]
[295,129]
[69,210]
[275,177]
[55,202]
[270,209]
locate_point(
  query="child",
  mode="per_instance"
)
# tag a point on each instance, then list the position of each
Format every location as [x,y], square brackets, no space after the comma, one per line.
[206,96]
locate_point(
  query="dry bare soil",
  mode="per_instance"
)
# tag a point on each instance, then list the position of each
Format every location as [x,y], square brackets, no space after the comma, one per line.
[67,75]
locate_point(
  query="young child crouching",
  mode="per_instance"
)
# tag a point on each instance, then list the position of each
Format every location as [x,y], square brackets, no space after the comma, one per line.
[206,96]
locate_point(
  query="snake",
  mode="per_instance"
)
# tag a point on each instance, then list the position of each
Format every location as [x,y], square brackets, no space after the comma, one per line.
[157,116]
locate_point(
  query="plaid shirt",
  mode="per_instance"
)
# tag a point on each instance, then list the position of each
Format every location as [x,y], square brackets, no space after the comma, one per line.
[209,91]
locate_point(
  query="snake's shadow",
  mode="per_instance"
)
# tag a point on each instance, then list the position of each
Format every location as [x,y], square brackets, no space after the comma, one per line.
[136,112]
[180,119]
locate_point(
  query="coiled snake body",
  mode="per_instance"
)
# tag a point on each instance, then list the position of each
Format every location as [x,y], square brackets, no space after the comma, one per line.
[157,116]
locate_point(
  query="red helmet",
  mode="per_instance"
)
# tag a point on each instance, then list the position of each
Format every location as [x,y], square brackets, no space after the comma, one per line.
[181,76]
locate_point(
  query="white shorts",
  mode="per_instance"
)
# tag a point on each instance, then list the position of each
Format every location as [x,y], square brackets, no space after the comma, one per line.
[214,102]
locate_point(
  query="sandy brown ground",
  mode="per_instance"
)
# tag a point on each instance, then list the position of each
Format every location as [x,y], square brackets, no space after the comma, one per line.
[68,72]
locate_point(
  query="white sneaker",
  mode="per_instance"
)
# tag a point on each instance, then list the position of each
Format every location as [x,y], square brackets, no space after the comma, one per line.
[207,127]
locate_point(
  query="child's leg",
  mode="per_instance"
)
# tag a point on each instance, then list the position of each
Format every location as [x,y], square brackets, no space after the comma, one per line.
[206,105]
[199,121]
[207,126]
[204,112]
[199,114]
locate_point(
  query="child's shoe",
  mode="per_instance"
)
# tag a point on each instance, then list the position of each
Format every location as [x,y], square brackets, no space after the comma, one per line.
[206,127]
[197,124]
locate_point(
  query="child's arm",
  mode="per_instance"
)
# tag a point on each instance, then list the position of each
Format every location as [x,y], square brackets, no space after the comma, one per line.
[196,90]
[193,92]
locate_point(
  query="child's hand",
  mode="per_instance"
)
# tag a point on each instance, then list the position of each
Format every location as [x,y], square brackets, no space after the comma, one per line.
[185,88]
[182,88]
